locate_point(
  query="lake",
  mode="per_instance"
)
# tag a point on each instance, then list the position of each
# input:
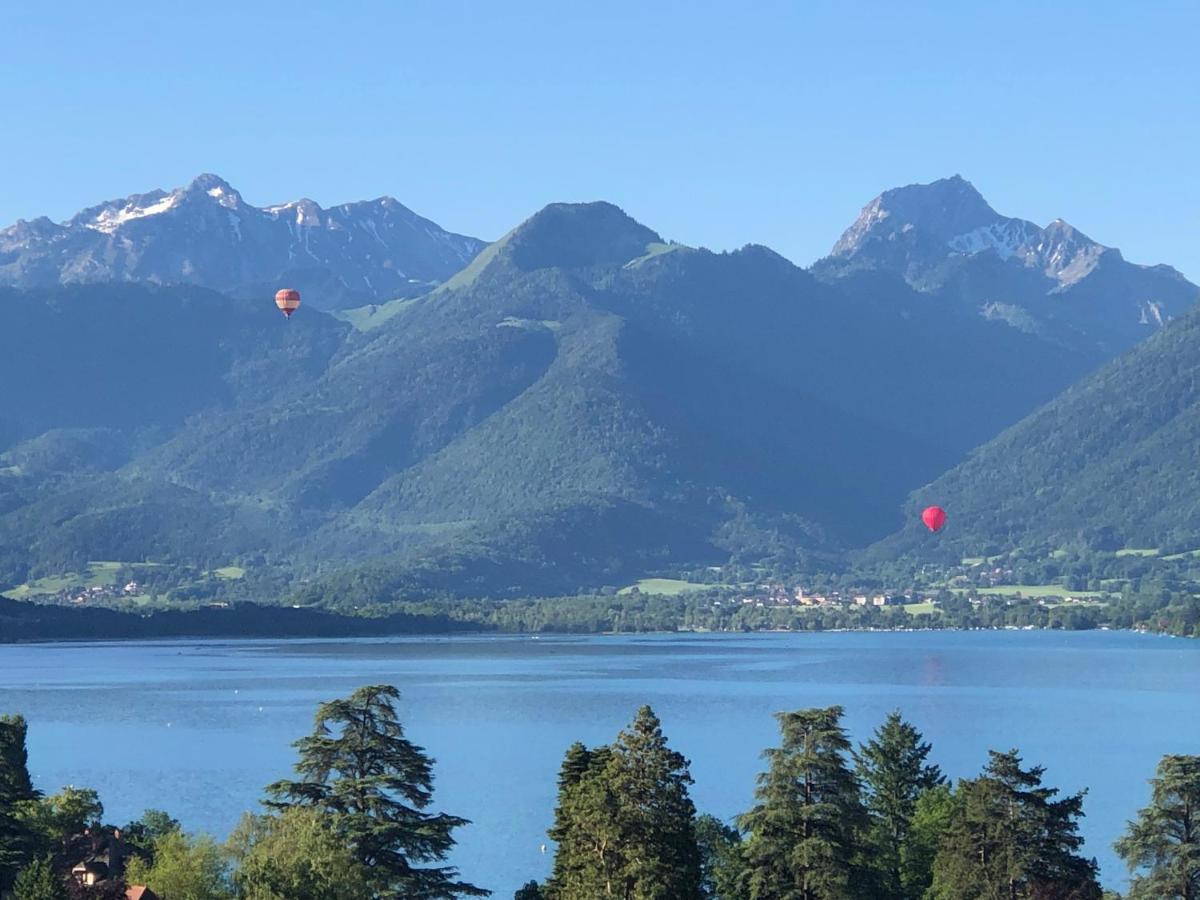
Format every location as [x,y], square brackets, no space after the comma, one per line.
[199,727]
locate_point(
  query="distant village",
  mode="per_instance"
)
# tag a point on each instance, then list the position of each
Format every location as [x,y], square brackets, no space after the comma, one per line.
[777,594]
[973,582]
[101,594]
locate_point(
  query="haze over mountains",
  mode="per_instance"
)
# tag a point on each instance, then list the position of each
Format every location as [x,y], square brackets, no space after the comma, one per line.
[581,404]
[205,234]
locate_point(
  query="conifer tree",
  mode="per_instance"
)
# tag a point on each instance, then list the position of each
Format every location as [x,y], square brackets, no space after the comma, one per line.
[656,817]
[580,861]
[17,841]
[804,830]
[625,824]
[357,765]
[894,772]
[1008,837]
[37,881]
[1162,847]
[14,759]
[531,890]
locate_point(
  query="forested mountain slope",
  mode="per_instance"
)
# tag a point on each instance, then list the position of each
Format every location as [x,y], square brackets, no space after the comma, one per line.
[1109,464]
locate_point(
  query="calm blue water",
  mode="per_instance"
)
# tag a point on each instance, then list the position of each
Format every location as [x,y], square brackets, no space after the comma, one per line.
[198,728]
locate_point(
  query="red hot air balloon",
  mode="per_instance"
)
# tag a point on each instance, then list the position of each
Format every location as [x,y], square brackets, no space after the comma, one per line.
[934,518]
[288,301]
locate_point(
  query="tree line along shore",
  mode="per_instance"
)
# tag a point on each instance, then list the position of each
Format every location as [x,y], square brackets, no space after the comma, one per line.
[829,821]
[1161,610]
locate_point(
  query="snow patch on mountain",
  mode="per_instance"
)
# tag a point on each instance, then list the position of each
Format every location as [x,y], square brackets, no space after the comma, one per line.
[227,198]
[110,219]
[210,236]
[1005,238]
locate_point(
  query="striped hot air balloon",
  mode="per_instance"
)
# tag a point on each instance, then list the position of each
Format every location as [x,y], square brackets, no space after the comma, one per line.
[288,301]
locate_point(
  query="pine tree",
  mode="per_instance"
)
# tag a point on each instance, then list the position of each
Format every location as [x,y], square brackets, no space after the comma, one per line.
[14,759]
[656,817]
[583,796]
[804,830]
[37,881]
[17,841]
[894,773]
[1162,848]
[358,765]
[1009,838]
[625,825]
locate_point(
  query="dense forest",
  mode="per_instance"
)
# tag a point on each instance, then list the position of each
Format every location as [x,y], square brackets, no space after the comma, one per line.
[829,821]
[1170,613]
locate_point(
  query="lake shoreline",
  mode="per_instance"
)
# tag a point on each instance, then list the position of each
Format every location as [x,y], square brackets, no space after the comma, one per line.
[473,630]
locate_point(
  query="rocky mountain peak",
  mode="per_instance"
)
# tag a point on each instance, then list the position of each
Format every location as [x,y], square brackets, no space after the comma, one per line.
[205,233]
[940,210]
[214,187]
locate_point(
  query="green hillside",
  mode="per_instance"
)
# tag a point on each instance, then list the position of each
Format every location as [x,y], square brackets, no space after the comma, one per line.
[1108,465]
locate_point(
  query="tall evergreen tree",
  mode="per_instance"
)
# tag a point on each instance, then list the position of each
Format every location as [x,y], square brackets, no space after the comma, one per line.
[625,824]
[804,830]
[358,765]
[14,759]
[37,881]
[14,844]
[656,817]
[1162,847]
[1009,838]
[894,772]
[17,841]
[579,860]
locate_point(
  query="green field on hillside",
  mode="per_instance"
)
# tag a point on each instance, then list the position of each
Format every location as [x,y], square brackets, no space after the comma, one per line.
[97,573]
[365,318]
[666,586]
[1030,590]
[915,609]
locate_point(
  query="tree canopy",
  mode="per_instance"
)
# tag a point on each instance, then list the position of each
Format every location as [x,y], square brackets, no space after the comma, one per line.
[358,767]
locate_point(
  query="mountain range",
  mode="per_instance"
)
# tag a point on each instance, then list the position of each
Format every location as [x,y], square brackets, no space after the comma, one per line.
[205,234]
[581,403]
[945,240]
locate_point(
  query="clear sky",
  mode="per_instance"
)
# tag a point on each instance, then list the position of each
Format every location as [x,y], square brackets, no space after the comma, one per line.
[715,124]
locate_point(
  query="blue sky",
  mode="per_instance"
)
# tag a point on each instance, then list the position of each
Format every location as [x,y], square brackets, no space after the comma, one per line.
[715,124]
